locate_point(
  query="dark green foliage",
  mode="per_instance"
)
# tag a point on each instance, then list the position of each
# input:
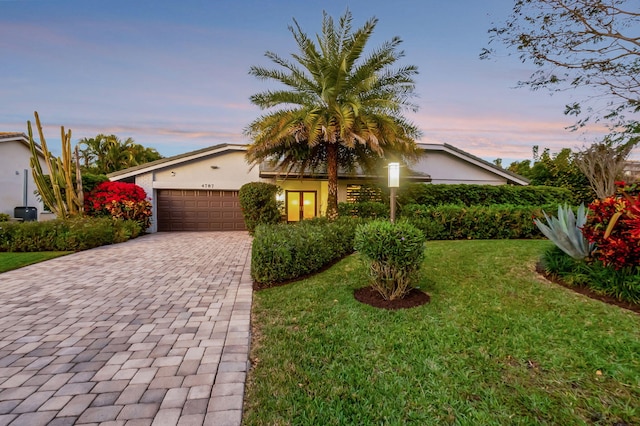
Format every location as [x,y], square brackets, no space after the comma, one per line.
[482,195]
[90,181]
[259,204]
[557,170]
[399,244]
[364,209]
[283,252]
[622,284]
[75,234]
[4,217]
[455,222]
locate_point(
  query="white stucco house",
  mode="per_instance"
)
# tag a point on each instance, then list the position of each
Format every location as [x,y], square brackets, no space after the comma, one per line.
[15,170]
[198,191]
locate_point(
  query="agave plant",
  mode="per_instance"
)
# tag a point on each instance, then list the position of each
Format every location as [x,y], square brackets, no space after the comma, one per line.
[566,231]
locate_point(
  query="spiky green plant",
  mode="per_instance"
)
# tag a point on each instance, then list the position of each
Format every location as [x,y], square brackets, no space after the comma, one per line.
[60,193]
[565,231]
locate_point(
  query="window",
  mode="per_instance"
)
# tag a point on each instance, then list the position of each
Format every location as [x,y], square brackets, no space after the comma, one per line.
[364,192]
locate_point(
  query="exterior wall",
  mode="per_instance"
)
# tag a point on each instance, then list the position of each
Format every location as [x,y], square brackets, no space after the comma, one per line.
[446,168]
[145,181]
[227,171]
[14,159]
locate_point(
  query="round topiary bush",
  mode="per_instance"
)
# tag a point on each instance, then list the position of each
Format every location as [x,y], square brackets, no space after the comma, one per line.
[394,253]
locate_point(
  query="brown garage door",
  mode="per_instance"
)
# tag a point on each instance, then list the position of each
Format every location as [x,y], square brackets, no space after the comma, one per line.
[195,210]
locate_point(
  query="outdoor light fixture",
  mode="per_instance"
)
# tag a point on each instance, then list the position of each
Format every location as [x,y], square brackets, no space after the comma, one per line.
[394,183]
[394,175]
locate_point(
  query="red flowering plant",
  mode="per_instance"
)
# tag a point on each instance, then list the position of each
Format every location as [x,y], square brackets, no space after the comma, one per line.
[613,225]
[119,200]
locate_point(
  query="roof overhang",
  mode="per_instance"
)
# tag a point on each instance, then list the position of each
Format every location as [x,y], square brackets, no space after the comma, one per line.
[274,174]
[512,178]
[176,160]
[20,138]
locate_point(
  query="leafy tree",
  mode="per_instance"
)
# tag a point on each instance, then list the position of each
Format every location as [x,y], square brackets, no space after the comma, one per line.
[107,153]
[591,44]
[560,170]
[339,109]
[602,163]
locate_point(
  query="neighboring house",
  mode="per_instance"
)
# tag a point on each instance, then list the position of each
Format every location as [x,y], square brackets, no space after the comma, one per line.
[631,172]
[448,164]
[198,191]
[14,166]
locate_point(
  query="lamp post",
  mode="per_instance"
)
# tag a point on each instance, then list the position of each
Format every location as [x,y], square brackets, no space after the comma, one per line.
[394,183]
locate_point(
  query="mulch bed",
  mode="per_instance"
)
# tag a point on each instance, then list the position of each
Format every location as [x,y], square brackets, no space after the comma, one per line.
[372,297]
[587,292]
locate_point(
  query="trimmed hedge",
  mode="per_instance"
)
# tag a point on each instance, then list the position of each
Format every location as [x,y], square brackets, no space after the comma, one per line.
[66,235]
[482,195]
[259,204]
[283,252]
[364,210]
[455,222]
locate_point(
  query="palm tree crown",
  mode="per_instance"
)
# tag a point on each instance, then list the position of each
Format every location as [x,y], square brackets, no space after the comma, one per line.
[338,108]
[107,153]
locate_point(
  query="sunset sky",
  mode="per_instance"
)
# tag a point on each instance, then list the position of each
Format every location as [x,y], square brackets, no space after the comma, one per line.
[173,75]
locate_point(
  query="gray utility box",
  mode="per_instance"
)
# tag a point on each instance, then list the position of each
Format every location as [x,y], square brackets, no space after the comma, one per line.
[27,214]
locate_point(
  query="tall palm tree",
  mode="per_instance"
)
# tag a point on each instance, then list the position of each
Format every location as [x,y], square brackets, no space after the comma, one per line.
[338,109]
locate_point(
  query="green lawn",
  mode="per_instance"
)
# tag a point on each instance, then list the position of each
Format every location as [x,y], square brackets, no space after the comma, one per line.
[496,345]
[9,261]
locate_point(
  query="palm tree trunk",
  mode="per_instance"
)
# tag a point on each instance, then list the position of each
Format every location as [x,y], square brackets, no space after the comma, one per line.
[332,175]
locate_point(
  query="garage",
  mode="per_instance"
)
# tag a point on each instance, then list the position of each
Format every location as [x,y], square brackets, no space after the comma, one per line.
[198,210]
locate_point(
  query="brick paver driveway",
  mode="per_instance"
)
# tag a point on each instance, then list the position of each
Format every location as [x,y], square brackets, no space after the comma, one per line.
[151,331]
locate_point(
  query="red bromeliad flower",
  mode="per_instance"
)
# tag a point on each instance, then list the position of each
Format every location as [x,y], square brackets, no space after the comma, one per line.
[614,226]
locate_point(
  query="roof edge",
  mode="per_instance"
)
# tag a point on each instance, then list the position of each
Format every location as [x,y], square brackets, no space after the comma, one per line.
[509,175]
[170,161]
[21,138]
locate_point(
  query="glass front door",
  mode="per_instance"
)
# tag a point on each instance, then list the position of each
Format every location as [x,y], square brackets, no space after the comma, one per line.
[301,205]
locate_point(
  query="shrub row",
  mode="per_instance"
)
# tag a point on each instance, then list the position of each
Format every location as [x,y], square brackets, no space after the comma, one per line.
[454,222]
[364,210]
[283,252]
[66,235]
[483,195]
